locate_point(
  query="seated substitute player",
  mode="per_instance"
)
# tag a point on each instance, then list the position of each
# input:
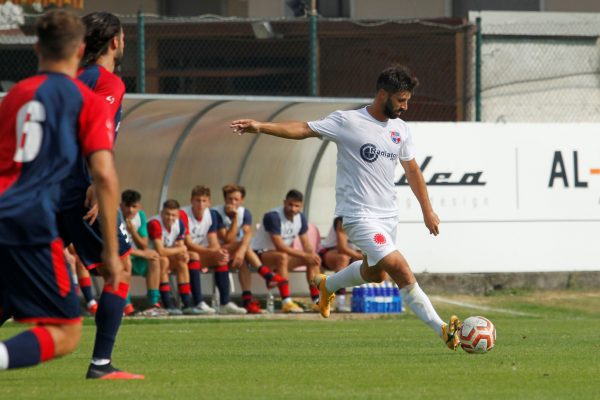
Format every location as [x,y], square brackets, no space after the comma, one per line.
[167,232]
[45,122]
[77,212]
[202,243]
[370,141]
[235,236]
[336,254]
[144,261]
[273,244]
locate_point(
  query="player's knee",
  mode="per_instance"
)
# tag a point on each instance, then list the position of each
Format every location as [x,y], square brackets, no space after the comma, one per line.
[343,261]
[282,259]
[66,338]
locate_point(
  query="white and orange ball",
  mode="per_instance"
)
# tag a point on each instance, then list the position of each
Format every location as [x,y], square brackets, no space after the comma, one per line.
[477,335]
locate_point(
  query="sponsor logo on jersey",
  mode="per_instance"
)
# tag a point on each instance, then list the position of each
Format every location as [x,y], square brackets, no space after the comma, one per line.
[395,136]
[370,153]
[110,99]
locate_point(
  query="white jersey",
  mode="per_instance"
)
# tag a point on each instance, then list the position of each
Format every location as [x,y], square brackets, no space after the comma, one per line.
[368,153]
[157,230]
[198,229]
[275,223]
[243,218]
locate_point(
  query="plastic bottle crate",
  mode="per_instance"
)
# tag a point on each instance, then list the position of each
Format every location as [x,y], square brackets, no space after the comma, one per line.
[376,298]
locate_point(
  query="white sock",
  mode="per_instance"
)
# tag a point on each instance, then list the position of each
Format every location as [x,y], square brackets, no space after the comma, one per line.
[420,304]
[341,299]
[100,361]
[286,300]
[3,357]
[348,277]
[91,303]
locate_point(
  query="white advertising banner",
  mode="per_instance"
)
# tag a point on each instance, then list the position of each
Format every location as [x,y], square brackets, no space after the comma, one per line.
[511,197]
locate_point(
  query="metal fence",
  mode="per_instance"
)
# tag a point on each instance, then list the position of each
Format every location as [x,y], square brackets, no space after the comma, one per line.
[529,71]
[209,55]
[539,67]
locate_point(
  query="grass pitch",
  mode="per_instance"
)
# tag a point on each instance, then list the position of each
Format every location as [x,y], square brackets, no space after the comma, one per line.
[550,354]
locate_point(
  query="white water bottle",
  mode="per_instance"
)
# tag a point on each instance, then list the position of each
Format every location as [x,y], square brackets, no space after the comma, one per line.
[215,300]
[270,303]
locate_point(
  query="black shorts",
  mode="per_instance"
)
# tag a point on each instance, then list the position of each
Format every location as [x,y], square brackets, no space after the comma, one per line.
[36,285]
[322,253]
[86,238]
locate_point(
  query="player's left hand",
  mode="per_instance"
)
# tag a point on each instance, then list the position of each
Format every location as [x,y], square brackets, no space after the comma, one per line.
[432,222]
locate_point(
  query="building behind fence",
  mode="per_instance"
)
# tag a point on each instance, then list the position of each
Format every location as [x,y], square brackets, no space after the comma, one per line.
[544,67]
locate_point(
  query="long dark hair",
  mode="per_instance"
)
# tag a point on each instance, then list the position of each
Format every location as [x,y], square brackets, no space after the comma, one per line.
[101,28]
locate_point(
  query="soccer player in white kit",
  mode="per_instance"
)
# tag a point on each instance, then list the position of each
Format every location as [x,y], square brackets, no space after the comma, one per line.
[370,141]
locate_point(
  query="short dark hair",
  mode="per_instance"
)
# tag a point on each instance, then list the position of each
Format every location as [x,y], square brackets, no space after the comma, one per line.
[130,197]
[171,204]
[200,190]
[232,188]
[397,78]
[294,195]
[101,28]
[59,32]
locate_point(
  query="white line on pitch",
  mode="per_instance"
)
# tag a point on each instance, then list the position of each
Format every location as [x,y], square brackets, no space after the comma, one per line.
[484,308]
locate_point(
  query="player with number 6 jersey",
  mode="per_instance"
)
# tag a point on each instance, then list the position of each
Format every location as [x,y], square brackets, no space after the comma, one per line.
[45,123]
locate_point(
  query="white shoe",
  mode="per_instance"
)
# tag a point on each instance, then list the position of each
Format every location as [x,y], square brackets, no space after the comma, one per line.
[205,308]
[232,308]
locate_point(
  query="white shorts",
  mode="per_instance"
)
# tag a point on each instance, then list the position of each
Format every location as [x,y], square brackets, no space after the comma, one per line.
[375,237]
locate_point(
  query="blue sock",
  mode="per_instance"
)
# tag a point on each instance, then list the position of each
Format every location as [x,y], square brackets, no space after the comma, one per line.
[185,294]
[196,285]
[165,295]
[108,319]
[29,348]
[222,282]
[85,286]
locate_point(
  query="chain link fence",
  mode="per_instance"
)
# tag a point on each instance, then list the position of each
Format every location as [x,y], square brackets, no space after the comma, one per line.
[531,69]
[540,67]
[231,56]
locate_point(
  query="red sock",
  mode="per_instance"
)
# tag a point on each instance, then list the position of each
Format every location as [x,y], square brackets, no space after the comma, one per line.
[246,297]
[265,272]
[222,268]
[284,290]
[45,342]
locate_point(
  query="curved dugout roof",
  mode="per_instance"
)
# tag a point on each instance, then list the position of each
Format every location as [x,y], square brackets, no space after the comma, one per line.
[168,144]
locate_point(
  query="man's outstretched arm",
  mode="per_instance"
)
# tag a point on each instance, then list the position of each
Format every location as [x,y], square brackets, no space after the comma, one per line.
[288,130]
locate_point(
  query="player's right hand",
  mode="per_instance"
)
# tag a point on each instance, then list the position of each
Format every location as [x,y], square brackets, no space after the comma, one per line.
[242,126]
[222,256]
[114,267]
[313,258]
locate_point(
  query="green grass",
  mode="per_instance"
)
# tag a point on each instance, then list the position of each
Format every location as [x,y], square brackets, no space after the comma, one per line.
[551,356]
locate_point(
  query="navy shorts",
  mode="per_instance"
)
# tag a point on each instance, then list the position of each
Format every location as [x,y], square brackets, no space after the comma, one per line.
[86,238]
[36,285]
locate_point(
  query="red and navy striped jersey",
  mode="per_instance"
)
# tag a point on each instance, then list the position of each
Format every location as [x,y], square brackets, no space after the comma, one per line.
[112,89]
[46,121]
[106,85]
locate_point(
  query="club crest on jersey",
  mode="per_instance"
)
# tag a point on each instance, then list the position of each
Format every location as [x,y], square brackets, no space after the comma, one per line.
[396,138]
[379,239]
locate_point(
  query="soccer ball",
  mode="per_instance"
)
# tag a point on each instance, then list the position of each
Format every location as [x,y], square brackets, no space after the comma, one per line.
[477,335]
